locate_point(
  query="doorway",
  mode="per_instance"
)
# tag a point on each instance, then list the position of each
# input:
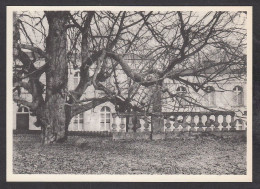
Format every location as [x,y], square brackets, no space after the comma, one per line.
[22,119]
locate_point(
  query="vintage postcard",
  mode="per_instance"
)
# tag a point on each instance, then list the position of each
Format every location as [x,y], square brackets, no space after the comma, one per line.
[137,94]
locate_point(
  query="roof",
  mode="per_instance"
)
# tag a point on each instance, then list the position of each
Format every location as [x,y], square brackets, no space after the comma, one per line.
[206,68]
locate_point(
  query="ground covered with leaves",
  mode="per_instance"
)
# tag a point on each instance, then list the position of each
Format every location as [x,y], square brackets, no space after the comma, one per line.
[102,155]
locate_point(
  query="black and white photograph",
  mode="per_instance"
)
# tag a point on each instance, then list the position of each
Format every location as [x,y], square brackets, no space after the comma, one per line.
[129,94]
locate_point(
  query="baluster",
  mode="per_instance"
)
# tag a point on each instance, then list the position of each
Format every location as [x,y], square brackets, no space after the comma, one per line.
[208,124]
[114,126]
[232,123]
[122,124]
[192,124]
[216,123]
[185,124]
[176,124]
[168,125]
[130,124]
[138,125]
[146,124]
[224,123]
[244,125]
[200,124]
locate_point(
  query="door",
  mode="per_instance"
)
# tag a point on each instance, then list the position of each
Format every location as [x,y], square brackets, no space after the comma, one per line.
[22,121]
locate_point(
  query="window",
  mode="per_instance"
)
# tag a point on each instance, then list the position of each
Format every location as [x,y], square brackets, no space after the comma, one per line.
[78,122]
[105,118]
[210,96]
[181,91]
[238,96]
[23,109]
[76,79]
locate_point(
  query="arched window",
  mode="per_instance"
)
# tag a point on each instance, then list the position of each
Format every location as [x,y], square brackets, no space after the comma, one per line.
[105,119]
[238,95]
[76,79]
[210,96]
[23,109]
[181,91]
[78,122]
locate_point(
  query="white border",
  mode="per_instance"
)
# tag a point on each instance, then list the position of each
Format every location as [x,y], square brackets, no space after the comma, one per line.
[128,178]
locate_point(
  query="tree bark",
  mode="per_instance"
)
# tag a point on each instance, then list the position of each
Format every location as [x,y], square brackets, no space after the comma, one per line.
[157,131]
[53,115]
[54,119]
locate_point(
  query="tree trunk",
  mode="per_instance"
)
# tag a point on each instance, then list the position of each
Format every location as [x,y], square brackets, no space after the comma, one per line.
[55,120]
[53,114]
[157,117]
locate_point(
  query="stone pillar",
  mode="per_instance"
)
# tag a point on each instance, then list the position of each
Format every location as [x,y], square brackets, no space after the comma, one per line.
[232,124]
[157,117]
[200,124]
[192,124]
[208,124]
[130,124]
[216,124]
[146,124]
[138,125]
[158,127]
[168,125]
[224,123]
[122,124]
[121,135]
[130,133]
[114,125]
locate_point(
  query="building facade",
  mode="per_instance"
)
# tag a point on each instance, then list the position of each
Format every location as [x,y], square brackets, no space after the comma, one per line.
[224,95]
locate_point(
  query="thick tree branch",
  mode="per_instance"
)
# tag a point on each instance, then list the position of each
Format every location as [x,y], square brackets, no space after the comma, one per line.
[24,85]
[75,23]
[85,79]
[31,105]
[187,42]
[33,49]
[79,108]
[137,77]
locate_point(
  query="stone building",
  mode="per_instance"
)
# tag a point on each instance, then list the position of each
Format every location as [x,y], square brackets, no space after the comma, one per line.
[224,95]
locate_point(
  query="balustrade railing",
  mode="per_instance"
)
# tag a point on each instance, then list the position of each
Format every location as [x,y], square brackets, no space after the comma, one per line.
[143,124]
[175,122]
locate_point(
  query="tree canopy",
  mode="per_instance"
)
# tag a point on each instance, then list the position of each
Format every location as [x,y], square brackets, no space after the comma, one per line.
[134,50]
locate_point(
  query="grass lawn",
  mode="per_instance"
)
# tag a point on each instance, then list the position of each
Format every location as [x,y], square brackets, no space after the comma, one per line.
[97,155]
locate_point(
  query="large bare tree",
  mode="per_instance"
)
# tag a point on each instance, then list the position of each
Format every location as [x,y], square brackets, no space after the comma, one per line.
[137,51]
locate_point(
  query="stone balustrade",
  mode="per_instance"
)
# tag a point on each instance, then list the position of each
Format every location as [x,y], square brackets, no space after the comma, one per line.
[139,125]
[136,127]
